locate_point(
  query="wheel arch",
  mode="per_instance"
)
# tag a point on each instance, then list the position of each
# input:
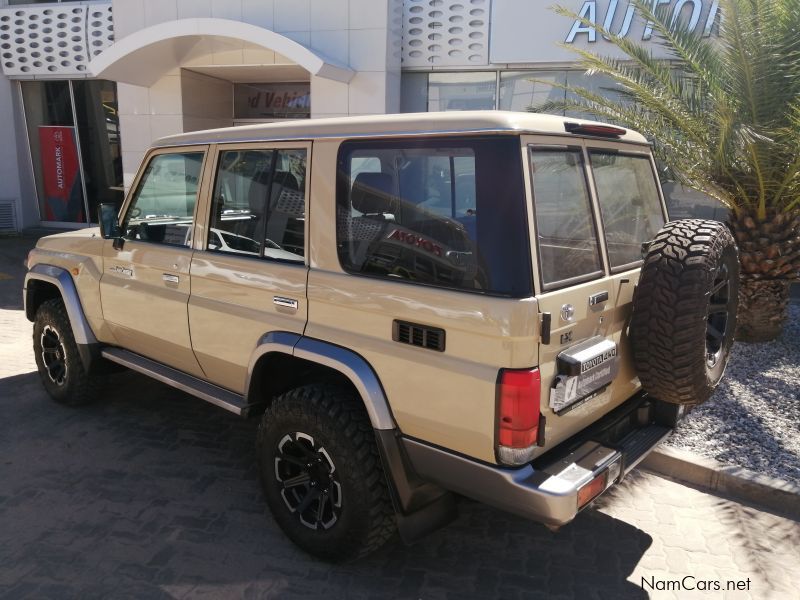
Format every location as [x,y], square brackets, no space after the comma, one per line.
[44,282]
[420,506]
[283,360]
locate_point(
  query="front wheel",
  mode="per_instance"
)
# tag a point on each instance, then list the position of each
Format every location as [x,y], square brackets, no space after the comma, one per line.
[322,475]
[60,366]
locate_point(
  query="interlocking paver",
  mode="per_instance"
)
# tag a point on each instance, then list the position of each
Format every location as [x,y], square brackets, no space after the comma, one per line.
[154,494]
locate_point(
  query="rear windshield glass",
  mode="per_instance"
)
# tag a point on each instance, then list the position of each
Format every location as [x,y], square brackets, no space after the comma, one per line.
[629,203]
[568,248]
[448,212]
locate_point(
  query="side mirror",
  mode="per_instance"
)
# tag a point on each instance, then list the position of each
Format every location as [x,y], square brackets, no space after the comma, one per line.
[109,224]
[109,221]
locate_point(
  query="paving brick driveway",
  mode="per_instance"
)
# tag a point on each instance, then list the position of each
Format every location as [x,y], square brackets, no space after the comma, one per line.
[153,494]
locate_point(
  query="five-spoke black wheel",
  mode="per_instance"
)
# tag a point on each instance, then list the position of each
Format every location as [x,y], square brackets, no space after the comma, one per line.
[322,474]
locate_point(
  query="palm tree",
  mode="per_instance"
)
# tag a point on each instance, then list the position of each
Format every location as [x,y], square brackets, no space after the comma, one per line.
[727,123]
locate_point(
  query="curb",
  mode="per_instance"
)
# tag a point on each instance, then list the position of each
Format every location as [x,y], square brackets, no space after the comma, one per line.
[735,482]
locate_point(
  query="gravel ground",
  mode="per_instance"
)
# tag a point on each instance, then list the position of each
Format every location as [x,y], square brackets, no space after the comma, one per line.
[753,419]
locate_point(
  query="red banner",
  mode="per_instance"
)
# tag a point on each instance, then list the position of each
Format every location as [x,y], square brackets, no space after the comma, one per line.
[63,198]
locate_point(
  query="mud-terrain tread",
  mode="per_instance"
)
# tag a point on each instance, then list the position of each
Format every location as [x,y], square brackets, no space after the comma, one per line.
[668,325]
[320,405]
[81,388]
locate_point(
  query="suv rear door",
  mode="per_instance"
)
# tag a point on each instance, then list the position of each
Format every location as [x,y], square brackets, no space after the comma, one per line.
[249,272]
[585,364]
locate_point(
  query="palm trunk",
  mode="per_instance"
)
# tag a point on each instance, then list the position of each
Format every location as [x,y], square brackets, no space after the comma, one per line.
[762,310]
[769,253]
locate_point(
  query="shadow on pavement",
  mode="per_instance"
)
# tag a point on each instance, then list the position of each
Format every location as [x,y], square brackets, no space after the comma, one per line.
[155,494]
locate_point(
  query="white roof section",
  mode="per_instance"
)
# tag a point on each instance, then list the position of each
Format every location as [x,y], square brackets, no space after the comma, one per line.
[142,58]
[407,124]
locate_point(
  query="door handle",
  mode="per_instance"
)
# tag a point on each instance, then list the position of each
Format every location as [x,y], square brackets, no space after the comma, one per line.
[285,302]
[598,298]
[167,277]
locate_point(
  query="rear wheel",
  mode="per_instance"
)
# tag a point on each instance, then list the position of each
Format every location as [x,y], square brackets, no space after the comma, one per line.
[322,475]
[60,366]
[684,311]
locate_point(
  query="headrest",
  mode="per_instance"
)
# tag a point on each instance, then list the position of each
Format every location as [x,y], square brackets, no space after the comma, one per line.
[286,179]
[372,193]
[257,194]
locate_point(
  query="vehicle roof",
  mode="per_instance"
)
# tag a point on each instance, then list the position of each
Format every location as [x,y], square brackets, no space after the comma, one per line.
[454,122]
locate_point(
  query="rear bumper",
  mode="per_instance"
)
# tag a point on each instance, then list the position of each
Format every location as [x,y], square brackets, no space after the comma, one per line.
[547,489]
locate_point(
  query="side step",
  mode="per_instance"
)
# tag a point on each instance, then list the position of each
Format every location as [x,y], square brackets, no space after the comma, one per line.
[180,380]
[637,445]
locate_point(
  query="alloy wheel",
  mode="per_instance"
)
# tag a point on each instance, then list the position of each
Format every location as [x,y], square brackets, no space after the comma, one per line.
[309,483]
[54,356]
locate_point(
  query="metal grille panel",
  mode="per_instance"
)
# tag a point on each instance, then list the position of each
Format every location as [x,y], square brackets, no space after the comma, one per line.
[8,216]
[452,33]
[57,39]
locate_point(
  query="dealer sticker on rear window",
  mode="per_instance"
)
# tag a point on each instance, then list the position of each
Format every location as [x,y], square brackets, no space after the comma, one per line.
[583,371]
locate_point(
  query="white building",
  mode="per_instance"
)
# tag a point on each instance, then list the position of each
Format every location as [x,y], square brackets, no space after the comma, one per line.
[87,86]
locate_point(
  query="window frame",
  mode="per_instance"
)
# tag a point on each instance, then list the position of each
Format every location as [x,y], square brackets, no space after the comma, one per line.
[633,154]
[342,191]
[200,194]
[213,172]
[554,146]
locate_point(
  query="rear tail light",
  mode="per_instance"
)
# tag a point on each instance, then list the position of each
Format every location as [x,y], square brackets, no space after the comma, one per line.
[518,415]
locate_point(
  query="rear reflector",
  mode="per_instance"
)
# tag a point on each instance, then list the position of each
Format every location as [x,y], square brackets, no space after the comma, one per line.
[591,490]
[597,130]
[518,415]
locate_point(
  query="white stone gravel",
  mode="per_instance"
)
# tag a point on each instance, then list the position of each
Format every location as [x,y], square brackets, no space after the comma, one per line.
[753,418]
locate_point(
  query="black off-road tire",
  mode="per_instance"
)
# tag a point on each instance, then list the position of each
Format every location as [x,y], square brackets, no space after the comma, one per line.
[684,311]
[341,436]
[60,366]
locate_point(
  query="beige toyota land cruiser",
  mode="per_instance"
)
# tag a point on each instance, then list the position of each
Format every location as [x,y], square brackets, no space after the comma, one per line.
[486,304]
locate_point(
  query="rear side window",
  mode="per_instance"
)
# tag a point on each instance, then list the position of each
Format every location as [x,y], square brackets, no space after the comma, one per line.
[448,212]
[162,208]
[629,202]
[258,207]
[567,237]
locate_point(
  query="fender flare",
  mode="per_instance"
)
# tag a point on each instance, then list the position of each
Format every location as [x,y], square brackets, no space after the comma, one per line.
[346,362]
[62,280]
[421,507]
[69,294]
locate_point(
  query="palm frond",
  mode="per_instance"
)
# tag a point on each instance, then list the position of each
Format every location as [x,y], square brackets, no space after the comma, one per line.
[729,122]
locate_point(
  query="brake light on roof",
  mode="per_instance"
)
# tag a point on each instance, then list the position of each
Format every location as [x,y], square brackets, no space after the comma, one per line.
[595,130]
[518,406]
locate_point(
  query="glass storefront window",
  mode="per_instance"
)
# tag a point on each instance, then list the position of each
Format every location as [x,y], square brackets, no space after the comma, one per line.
[462,91]
[71,158]
[601,85]
[488,90]
[272,100]
[520,90]
[414,92]
[98,129]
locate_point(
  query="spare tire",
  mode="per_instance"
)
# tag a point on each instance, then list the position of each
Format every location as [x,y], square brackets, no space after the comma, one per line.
[684,311]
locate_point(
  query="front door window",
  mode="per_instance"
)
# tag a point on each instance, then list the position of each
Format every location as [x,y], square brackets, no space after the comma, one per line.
[163,206]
